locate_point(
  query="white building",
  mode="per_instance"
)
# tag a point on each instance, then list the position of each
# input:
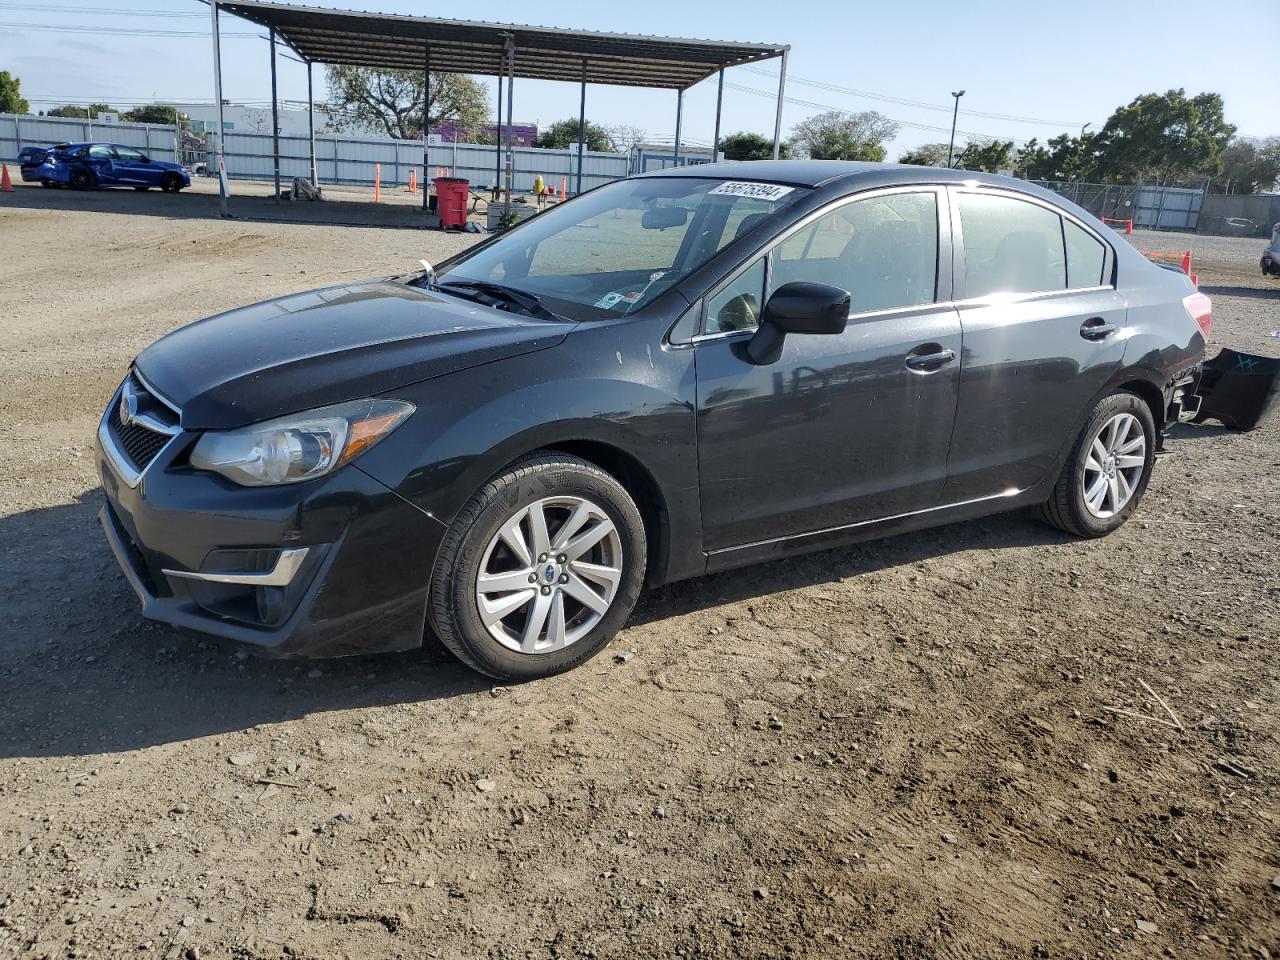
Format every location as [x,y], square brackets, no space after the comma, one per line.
[241,118]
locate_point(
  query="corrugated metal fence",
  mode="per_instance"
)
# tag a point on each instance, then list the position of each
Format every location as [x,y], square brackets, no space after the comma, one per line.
[19,130]
[342,159]
[1152,208]
[339,159]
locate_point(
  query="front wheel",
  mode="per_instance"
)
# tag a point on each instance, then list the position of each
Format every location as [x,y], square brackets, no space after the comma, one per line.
[539,570]
[171,183]
[1108,470]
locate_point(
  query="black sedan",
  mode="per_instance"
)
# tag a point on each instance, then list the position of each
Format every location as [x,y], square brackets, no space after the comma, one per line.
[673,374]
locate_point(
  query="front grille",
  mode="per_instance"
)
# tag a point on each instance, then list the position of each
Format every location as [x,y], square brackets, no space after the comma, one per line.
[137,441]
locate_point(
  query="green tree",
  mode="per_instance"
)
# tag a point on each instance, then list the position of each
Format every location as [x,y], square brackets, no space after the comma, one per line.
[988,156]
[11,94]
[1167,135]
[75,112]
[563,134]
[1250,165]
[393,100]
[745,145]
[837,135]
[1064,157]
[926,155]
[154,113]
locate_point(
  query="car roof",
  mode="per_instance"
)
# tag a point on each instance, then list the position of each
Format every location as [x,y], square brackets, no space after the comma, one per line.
[821,173]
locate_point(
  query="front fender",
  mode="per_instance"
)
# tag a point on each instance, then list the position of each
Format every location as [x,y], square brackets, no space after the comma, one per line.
[624,392]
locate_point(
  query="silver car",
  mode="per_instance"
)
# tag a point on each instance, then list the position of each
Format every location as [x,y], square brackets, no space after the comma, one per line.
[1271,256]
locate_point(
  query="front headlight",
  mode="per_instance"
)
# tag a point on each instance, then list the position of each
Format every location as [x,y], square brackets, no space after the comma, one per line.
[301,446]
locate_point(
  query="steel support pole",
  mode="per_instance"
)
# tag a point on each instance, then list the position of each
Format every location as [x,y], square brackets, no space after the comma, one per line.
[675,153]
[426,124]
[311,126]
[497,133]
[777,120]
[582,127]
[275,112]
[511,156]
[715,140]
[218,159]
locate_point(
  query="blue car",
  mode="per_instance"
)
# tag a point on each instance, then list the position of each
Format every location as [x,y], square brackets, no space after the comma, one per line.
[84,166]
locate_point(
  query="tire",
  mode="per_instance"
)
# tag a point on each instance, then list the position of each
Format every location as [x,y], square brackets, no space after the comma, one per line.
[171,183]
[81,179]
[563,490]
[47,183]
[1099,456]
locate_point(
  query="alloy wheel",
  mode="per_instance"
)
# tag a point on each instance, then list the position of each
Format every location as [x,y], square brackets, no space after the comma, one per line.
[1113,468]
[549,574]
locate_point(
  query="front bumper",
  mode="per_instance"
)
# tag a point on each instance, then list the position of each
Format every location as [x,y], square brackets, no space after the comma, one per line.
[333,567]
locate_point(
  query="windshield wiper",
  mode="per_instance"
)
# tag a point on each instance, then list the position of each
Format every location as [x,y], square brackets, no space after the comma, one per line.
[526,302]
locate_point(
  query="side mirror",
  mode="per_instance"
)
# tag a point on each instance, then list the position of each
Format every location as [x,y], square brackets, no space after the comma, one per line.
[146,159]
[660,218]
[799,307]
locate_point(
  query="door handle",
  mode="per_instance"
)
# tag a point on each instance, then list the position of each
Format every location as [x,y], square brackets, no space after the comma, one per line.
[1095,328]
[930,362]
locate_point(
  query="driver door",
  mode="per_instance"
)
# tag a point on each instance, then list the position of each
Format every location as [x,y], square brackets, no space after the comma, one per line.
[842,429]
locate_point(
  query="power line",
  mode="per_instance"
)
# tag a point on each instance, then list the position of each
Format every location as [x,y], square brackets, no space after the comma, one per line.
[903,101]
[113,12]
[905,123]
[126,31]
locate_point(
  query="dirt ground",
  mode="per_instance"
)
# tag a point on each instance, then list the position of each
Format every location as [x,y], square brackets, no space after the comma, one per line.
[900,749]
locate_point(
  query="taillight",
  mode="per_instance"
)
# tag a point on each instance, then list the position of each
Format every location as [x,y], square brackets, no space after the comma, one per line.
[1200,309]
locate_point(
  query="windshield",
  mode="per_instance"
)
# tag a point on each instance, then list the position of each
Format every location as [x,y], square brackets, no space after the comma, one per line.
[619,247]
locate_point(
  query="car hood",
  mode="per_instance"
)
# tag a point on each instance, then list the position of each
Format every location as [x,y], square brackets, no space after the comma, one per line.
[329,345]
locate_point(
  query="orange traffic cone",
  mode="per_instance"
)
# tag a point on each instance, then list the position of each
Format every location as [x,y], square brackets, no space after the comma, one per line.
[6,185]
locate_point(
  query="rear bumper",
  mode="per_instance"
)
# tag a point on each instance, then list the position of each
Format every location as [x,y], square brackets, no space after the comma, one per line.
[335,567]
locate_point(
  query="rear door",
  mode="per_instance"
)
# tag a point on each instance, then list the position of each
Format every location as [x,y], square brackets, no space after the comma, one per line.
[843,428]
[1043,333]
[100,158]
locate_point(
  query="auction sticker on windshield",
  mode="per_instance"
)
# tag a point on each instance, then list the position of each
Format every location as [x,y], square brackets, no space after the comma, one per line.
[760,191]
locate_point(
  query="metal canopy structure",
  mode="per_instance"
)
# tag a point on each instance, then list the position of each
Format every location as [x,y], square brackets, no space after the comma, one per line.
[389,41]
[397,42]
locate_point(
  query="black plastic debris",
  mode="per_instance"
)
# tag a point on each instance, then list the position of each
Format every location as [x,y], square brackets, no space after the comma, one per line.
[1239,390]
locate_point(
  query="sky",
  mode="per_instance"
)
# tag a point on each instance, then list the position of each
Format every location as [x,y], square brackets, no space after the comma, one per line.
[1028,70]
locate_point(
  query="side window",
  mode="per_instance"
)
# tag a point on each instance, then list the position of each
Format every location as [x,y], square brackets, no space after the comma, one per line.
[100,152]
[125,153]
[1085,257]
[738,306]
[883,250]
[1010,246]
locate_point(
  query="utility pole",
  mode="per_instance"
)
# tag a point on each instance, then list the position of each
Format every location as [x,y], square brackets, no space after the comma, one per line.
[951,147]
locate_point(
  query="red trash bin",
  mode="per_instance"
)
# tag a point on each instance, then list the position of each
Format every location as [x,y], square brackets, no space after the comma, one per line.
[451,201]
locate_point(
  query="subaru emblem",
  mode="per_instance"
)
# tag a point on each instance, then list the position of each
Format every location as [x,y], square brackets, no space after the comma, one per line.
[128,407]
[549,574]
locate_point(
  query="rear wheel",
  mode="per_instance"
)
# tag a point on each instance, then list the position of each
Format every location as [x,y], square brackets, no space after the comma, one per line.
[539,570]
[171,183]
[46,183]
[82,179]
[1108,470]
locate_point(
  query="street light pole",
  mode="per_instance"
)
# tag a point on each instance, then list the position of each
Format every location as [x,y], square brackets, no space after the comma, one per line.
[951,147]
[1083,129]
